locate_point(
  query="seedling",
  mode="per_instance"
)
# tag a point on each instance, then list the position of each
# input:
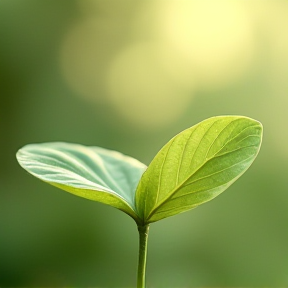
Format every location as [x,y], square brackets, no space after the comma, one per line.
[192,168]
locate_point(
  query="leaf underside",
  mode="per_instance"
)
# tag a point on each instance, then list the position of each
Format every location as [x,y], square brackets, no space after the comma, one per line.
[197,165]
[94,173]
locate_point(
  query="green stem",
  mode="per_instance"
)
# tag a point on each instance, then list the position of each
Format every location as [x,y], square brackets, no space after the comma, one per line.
[143,241]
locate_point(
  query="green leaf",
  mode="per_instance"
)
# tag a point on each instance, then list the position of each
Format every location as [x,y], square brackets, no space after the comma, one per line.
[89,172]
[197,165]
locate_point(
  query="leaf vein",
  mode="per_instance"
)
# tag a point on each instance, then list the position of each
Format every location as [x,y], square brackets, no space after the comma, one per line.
[182,155]
[192,158]
[219,136]
[217,172]
[179,186]
[234,138]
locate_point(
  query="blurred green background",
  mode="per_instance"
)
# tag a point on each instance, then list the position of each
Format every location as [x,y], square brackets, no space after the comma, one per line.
[128,75]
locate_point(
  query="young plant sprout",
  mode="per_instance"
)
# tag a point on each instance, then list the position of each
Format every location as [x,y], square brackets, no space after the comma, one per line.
[192,168]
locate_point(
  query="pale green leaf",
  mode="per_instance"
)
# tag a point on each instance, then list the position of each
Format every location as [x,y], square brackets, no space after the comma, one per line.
[197,165]
[91,172]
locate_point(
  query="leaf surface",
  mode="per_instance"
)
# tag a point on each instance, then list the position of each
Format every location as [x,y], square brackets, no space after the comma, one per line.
[94,173]
[197,165]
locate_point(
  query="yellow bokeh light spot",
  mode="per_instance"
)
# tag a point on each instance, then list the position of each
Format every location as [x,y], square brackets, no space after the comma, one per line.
[141,91]
[272,21]
[212,39]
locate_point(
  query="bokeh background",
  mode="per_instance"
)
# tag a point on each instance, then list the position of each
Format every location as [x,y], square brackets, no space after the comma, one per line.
[128,75]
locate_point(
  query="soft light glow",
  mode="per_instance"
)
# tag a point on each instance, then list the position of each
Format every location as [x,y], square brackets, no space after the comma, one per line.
[140,89]
[212,39]
[185,45]
[273,21]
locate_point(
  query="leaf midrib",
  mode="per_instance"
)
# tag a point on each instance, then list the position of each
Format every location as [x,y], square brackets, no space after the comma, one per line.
[78,162]
[66,170]
[65,165]
[154,211]
[206,176]
[208,159]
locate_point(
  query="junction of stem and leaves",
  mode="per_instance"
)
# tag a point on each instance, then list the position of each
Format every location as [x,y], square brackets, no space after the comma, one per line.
[194,167]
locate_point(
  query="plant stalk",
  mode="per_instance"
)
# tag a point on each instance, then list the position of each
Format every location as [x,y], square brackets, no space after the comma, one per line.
[143,241]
